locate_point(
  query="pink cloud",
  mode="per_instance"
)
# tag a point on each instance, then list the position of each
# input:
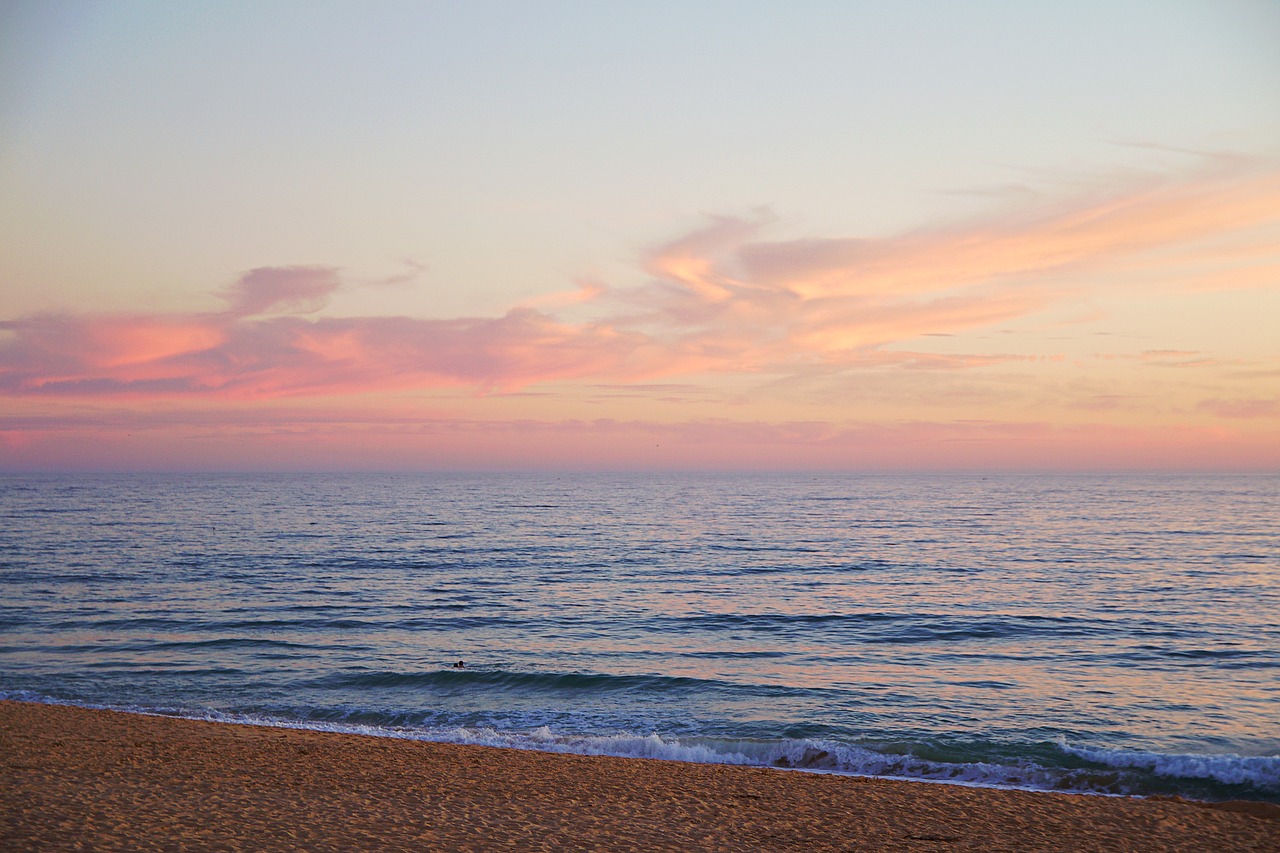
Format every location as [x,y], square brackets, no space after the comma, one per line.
[719,299]
[295,290]
[54,345]
[281,356]
[260,347]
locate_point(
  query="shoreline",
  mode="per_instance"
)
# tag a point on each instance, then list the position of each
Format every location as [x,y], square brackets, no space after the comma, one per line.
[117,780]
[514,743]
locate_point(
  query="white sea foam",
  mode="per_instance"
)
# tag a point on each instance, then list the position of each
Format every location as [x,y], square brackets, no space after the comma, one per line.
[816,755]
[1262,771]
[809,754]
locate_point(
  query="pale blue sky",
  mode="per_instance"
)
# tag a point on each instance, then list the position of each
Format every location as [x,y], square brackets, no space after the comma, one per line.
[156,150]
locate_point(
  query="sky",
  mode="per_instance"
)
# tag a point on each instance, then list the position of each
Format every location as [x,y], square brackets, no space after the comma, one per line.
[659,236]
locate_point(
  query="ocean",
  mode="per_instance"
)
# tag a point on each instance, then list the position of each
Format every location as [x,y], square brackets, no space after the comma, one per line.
[1104,634]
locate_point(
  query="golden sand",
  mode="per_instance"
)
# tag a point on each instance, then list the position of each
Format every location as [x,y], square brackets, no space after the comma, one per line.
[72,779]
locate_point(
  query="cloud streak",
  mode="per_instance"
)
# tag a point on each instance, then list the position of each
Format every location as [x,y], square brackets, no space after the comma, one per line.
[284,438]
[228,355]
[721,299]
[839,299]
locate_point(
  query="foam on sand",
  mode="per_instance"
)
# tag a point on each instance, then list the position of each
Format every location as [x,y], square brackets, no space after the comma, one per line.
[110,780]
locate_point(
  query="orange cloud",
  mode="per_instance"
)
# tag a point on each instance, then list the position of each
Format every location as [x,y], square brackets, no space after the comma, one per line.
[718,300]
[839,300]
[1082,233]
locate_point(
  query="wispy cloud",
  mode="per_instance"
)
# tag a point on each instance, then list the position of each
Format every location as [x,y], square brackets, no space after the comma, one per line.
[1252,408]
[227,355]
[284,290]
[721,299]
[836,299]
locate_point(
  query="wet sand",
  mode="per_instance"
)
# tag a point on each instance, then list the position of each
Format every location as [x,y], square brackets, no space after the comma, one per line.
[72,779]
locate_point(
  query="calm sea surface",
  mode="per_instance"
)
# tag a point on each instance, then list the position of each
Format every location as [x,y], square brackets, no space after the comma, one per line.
[1111,634]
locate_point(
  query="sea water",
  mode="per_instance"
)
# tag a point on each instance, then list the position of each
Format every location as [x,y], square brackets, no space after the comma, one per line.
[1108,634]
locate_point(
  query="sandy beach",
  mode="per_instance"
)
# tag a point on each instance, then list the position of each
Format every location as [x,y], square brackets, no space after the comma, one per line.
[86,779]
